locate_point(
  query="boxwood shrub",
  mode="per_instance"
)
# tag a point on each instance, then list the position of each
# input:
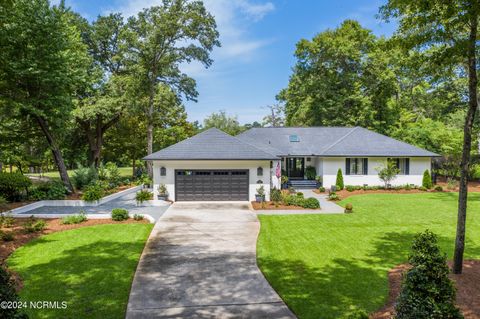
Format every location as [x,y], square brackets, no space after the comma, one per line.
[119,214]
[311,203]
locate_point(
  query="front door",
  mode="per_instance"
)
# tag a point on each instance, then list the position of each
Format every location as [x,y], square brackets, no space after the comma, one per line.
[295,167]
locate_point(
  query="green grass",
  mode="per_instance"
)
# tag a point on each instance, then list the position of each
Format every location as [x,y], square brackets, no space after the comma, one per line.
[325,266]
[124,172]
[90,268]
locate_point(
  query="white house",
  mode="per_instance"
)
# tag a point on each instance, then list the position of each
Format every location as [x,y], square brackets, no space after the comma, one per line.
[213,165]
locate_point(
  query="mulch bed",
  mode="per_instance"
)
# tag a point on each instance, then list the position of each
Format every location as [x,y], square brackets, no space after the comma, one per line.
[467,284]
[53,225]
[271,206]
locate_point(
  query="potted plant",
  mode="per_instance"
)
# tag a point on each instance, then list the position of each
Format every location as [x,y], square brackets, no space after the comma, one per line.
[260,195]
[319,180]
[284,181]
[162,192]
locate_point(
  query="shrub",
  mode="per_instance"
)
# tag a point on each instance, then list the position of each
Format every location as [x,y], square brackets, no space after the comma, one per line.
[12,185]
[350,188]
[291,189]
[113,174]
[299,194]
[422,188]
[49,190]
[6,220]
[84,176]
[349,208]
[162,189]
[138,217]
[427,180]
[275,195]
[6,236]
[3,203]
[284,179]
[310,172]
[74,219]
[119,214]
[292,200]
[143,196]
[93,193]
[339,181]
[408,187]
[311,203]
[33,226]
[439,188]
[426,291]
[333,196]
[452,184]
[321,189]
[9,294]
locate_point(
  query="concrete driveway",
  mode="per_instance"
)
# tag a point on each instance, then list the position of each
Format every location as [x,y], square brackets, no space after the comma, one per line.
[200,263]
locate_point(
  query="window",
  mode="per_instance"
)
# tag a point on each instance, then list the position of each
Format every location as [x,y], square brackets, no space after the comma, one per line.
[294,138]
[403,164]
[163,171]
[259,171]
[356,166]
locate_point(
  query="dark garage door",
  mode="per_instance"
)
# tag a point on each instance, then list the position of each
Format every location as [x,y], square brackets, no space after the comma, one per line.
[205,185]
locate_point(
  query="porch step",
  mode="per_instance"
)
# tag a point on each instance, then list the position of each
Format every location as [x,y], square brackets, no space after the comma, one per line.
[302,183]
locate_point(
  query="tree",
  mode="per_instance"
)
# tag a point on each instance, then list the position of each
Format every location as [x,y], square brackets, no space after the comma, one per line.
[388,173]
[427,180]
[224,122]
[42,61]
[339,180]
[446,33]
[275,118]
[160,39]
[103,99]
[8,294]
[342,77]
[427,292]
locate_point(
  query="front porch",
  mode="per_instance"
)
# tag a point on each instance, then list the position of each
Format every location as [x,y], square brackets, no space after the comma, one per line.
[302,171]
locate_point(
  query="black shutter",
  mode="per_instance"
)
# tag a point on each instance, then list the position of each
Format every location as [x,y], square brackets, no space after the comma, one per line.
[365,166]
[347,166]
[407,166]
[397,163]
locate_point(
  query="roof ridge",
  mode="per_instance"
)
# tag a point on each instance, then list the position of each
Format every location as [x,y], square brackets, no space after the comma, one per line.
[341,139]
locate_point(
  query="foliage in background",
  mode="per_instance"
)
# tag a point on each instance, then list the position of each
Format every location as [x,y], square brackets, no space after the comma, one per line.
[13,185]
[9,295]
[224,122]
[84,176]
[426,291]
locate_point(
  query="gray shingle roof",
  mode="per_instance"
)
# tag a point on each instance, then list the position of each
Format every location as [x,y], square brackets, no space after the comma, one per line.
[211,144]
[329,141]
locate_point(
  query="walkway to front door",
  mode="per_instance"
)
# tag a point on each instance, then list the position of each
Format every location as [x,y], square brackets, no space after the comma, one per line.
[200,262]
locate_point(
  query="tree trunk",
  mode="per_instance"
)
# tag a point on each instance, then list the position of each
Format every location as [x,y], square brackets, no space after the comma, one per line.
[95,138]
[467,145]
[134,161]
[150,129]
[57,155]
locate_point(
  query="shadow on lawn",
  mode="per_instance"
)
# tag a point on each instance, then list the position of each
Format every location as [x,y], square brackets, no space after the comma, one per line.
[342,285]
[93,279]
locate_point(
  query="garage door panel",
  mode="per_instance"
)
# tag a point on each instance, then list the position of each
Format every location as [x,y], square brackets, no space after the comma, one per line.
[205,185]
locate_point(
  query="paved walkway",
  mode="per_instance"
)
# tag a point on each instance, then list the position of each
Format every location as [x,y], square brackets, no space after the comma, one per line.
[200,262]
[127,201]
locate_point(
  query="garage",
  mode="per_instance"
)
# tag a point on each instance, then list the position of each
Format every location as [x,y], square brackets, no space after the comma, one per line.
[211,185]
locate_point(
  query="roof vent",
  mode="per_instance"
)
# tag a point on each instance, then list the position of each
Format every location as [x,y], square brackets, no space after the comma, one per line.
[294,138]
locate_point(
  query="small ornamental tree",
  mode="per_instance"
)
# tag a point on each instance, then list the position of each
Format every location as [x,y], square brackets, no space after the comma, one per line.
[388,173]
[427,180]
[427,292]
[339,181]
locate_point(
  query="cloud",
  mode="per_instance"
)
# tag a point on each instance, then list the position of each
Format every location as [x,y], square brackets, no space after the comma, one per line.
[233,17]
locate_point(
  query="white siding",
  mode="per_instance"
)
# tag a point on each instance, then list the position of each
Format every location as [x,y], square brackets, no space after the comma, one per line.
[331,165]
[171,166]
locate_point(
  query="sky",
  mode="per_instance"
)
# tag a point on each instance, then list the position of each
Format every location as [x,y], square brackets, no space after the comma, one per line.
[258,43]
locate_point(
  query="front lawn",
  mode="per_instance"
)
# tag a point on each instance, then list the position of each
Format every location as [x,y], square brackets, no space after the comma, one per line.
[325,266]
[91,268]
[124,172]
